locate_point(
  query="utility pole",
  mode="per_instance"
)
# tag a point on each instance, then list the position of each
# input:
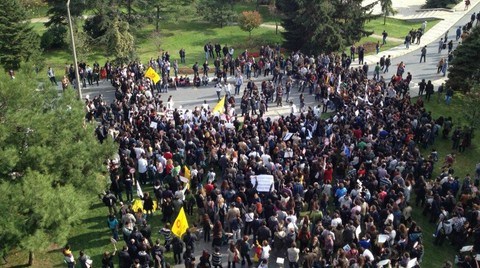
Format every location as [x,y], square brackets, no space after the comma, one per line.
[75,62]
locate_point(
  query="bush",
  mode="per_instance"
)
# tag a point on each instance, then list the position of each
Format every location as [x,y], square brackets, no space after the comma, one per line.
[440,3]
[54,37]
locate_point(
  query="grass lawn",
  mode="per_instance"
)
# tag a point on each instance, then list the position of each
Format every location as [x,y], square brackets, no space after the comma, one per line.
[394,27]
[369,43]
[92,235]
[464,164]
[190,35]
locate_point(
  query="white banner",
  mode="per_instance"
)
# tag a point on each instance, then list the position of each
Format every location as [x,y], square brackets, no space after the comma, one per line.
[265,182]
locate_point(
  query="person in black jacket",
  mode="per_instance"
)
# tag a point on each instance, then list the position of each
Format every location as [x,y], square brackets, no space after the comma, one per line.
[124,259]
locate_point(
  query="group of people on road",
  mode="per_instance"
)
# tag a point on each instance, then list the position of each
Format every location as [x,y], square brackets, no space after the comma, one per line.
[343,185]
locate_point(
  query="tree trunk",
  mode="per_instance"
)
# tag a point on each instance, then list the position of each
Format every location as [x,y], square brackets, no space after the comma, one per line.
[158,19]
[129,7]
[385,19]
[30,258]
[276,27]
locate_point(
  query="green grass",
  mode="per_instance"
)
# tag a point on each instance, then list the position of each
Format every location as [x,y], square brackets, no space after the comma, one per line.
[465,163]
[190,35]
[369,43]
[394,27]
[92,236]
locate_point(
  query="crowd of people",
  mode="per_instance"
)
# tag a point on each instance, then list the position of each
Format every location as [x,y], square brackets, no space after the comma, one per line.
[343,186]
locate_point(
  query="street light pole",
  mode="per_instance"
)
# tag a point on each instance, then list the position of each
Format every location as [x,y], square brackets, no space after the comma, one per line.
[75,62]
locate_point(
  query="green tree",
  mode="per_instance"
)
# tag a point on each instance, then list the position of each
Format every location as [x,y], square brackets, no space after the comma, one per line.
[308,26]
[470,107]
[249,20]
[387,9]
[118,40]
[50,161]
[18,42]
[57,11]
[217,12]
[351,16]
[464,71]
[323,26]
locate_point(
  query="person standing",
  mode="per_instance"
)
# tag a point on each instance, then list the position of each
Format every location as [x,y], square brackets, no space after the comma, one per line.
[293,254]
[424,54]
[408,39]
[361,54]
[352,52]
[429,90]
[445,67]
[376,72]
[449,96]
[182,55]
[440,45]
[238,83]
[384,37]
[388,62]
[68,257]
[458,33]
[51,76]
[421,87]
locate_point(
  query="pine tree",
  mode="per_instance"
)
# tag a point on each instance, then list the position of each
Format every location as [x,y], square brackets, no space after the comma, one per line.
[58,10]
[308,26]
[351,16]
[18,42]
[218,12]
[50,163]
[323,26]
[387,9]
[464,71]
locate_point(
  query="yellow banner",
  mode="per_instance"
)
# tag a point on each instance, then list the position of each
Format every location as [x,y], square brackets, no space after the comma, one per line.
[220,106]
[150,73]
[180,225]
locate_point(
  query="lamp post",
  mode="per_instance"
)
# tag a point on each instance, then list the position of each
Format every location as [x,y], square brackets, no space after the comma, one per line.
[75,62]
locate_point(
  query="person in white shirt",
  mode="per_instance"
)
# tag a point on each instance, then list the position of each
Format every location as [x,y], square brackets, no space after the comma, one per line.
[293,254]
[265,251]
[142,169]
[368,255]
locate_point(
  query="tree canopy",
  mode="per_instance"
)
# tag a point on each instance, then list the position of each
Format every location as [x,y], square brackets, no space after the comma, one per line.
[249,20]
[50,161]
[464,71]
[323,26]
[218,12]
[18,42]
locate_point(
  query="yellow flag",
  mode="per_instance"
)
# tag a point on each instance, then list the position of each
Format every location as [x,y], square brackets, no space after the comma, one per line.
[180,225]
[219,107]
[150,73]
[187,173]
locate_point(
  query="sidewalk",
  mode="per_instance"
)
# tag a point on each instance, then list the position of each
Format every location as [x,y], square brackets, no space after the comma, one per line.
[430,36]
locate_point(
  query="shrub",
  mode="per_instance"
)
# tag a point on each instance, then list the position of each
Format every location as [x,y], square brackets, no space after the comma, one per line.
[54,37]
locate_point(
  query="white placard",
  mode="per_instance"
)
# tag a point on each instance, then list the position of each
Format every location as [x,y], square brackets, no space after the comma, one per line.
[287,136]
[153,125]
[265,182]
[358,231]
[466,248]
[382,238]
[412,263]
